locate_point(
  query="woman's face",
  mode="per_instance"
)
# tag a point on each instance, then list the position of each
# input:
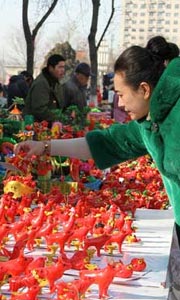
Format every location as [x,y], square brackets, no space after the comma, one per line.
[134,102]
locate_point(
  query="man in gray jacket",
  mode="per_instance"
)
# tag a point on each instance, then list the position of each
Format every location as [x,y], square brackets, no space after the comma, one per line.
[45,95]
[75,89]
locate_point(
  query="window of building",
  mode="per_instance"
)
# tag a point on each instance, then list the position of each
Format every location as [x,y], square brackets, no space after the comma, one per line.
[151,21]
[160,5]
[141,38]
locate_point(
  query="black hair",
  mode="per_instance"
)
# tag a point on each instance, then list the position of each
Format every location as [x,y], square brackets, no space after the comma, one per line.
[139,65]
[28,77]
[174,51]
[54,59]
[160,47]
[26,74]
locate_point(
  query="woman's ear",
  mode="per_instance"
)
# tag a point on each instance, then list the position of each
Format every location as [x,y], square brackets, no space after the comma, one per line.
[146,89]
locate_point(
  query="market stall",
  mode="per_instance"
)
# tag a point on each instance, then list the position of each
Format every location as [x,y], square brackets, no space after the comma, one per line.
[155,230]
[70,231]
[154,248]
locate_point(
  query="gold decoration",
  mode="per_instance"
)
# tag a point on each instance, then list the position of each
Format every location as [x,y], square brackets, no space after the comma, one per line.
[18,189]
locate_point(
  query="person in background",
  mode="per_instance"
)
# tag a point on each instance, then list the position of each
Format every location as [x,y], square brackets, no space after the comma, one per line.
[45,94]
[163,49]
[28,78]
[17,87]
[105,93]
[99,95]
[75,89]
[3,100]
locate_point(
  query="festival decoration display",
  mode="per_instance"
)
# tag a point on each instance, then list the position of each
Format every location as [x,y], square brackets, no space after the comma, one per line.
[40,222]
[71,229]
[15,114]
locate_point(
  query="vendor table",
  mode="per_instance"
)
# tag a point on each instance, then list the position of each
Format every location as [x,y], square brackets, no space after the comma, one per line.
[154,228]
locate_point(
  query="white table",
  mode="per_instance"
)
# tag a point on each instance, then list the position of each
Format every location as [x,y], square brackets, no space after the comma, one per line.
[155,229]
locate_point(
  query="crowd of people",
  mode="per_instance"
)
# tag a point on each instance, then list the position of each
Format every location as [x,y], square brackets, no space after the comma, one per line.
[45,95]
[17,87]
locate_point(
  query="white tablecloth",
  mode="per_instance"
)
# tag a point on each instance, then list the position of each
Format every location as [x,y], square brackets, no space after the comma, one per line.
[154,228]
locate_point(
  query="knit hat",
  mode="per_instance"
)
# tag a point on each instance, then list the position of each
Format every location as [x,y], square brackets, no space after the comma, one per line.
[83,68]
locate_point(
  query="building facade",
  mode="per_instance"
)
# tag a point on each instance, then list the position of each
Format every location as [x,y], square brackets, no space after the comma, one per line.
[143,19]
[103,58]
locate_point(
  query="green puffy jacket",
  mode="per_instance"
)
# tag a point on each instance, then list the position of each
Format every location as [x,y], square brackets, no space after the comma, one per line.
[160,136]
[44,96]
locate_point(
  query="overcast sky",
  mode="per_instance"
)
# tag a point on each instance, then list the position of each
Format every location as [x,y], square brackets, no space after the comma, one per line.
[70,20]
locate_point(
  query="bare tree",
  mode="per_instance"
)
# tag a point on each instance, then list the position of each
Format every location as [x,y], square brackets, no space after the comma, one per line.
[93,47]
[16,54]
[30,35]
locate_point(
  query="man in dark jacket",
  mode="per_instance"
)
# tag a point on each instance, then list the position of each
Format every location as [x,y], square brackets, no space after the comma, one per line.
[75,89]
[45,94]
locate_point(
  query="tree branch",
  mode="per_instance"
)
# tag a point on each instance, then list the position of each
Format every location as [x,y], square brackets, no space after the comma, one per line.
[108,23]
[93,29]
[43,19]
[26,28]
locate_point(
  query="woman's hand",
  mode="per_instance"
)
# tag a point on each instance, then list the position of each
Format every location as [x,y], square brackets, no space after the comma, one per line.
[30,147]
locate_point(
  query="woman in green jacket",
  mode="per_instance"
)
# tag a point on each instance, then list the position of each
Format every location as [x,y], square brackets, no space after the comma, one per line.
[150,93]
